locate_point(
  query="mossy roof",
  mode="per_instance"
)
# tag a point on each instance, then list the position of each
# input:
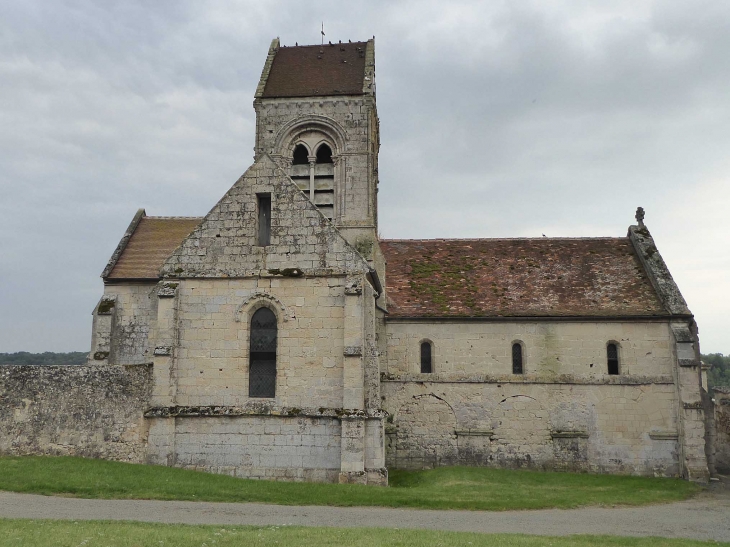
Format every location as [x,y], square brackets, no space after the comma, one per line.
[539,277]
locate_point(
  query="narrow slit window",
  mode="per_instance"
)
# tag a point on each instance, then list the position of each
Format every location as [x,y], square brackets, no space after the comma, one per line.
[264,205]
[426,360]
[517,367]
[262,354]
[612,355]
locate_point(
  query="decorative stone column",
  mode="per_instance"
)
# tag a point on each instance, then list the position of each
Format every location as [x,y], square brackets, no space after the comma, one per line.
[312,164]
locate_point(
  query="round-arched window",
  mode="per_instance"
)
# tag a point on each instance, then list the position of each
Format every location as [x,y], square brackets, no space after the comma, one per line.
[262,355]
[426,357]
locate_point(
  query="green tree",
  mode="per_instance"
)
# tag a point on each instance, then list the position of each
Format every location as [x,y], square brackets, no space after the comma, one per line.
[719,374]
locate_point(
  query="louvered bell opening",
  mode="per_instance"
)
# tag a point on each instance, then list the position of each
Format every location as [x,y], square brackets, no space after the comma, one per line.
[262,368]
[516,359]
[612,355]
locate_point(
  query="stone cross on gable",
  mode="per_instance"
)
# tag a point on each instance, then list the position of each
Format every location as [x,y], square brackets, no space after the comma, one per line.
[640,216]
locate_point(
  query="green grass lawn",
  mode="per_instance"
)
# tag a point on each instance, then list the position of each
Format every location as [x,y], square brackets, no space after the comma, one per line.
[23,532]
[442,488]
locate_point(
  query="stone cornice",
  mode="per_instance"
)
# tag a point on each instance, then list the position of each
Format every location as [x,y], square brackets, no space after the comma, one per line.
[261,409]
[450,378]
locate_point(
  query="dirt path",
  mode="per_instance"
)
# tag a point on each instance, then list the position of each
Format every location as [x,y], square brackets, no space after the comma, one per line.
[705,517]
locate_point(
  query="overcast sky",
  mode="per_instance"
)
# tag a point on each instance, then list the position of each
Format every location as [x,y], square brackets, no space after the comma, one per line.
[498,119]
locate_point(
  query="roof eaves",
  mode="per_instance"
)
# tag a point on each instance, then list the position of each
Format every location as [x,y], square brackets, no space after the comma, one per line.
[529,318]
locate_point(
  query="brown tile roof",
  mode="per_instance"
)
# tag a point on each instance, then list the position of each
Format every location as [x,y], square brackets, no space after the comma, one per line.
[151,244]
[306,71]
[517,277]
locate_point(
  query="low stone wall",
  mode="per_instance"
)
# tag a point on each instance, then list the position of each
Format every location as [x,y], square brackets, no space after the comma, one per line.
[607,428]
[92,411]
[722,430]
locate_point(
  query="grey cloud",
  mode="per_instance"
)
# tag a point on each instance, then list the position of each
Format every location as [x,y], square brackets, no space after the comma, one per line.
[507,119]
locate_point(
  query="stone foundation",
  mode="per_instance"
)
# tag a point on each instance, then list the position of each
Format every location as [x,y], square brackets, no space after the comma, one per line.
[259,447]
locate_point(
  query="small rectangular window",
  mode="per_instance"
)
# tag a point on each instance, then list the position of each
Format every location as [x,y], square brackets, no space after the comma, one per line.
[264,208]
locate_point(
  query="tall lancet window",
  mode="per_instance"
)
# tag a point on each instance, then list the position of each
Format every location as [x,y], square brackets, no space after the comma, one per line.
[313,171]
[262,355]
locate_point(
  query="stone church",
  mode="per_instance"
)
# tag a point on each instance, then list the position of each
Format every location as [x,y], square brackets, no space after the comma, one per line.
[285,340]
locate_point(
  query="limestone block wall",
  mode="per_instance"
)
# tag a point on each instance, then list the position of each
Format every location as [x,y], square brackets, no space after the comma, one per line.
[591,427]
[225,243]
[210,362]
[91,411]
[352,124]
[266,447]
[550,348]
[564,412]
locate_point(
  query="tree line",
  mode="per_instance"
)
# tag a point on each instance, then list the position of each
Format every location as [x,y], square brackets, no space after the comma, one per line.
[45,358]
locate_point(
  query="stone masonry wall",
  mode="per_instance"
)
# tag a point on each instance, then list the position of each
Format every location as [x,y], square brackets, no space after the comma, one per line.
[564,412]
[91,411]
[210,363]
[601,428]
[550,348]
[351,122]
[134,315]
[225,244]
[271,447]
[722,430]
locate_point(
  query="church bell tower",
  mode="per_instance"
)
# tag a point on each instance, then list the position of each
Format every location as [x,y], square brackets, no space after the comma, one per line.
[316,117]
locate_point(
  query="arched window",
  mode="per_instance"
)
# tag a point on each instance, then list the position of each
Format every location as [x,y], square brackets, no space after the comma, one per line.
[324,154]
[262,354]
[317,179]
[517,367]
[426,358]
[612,358]
[301,155]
